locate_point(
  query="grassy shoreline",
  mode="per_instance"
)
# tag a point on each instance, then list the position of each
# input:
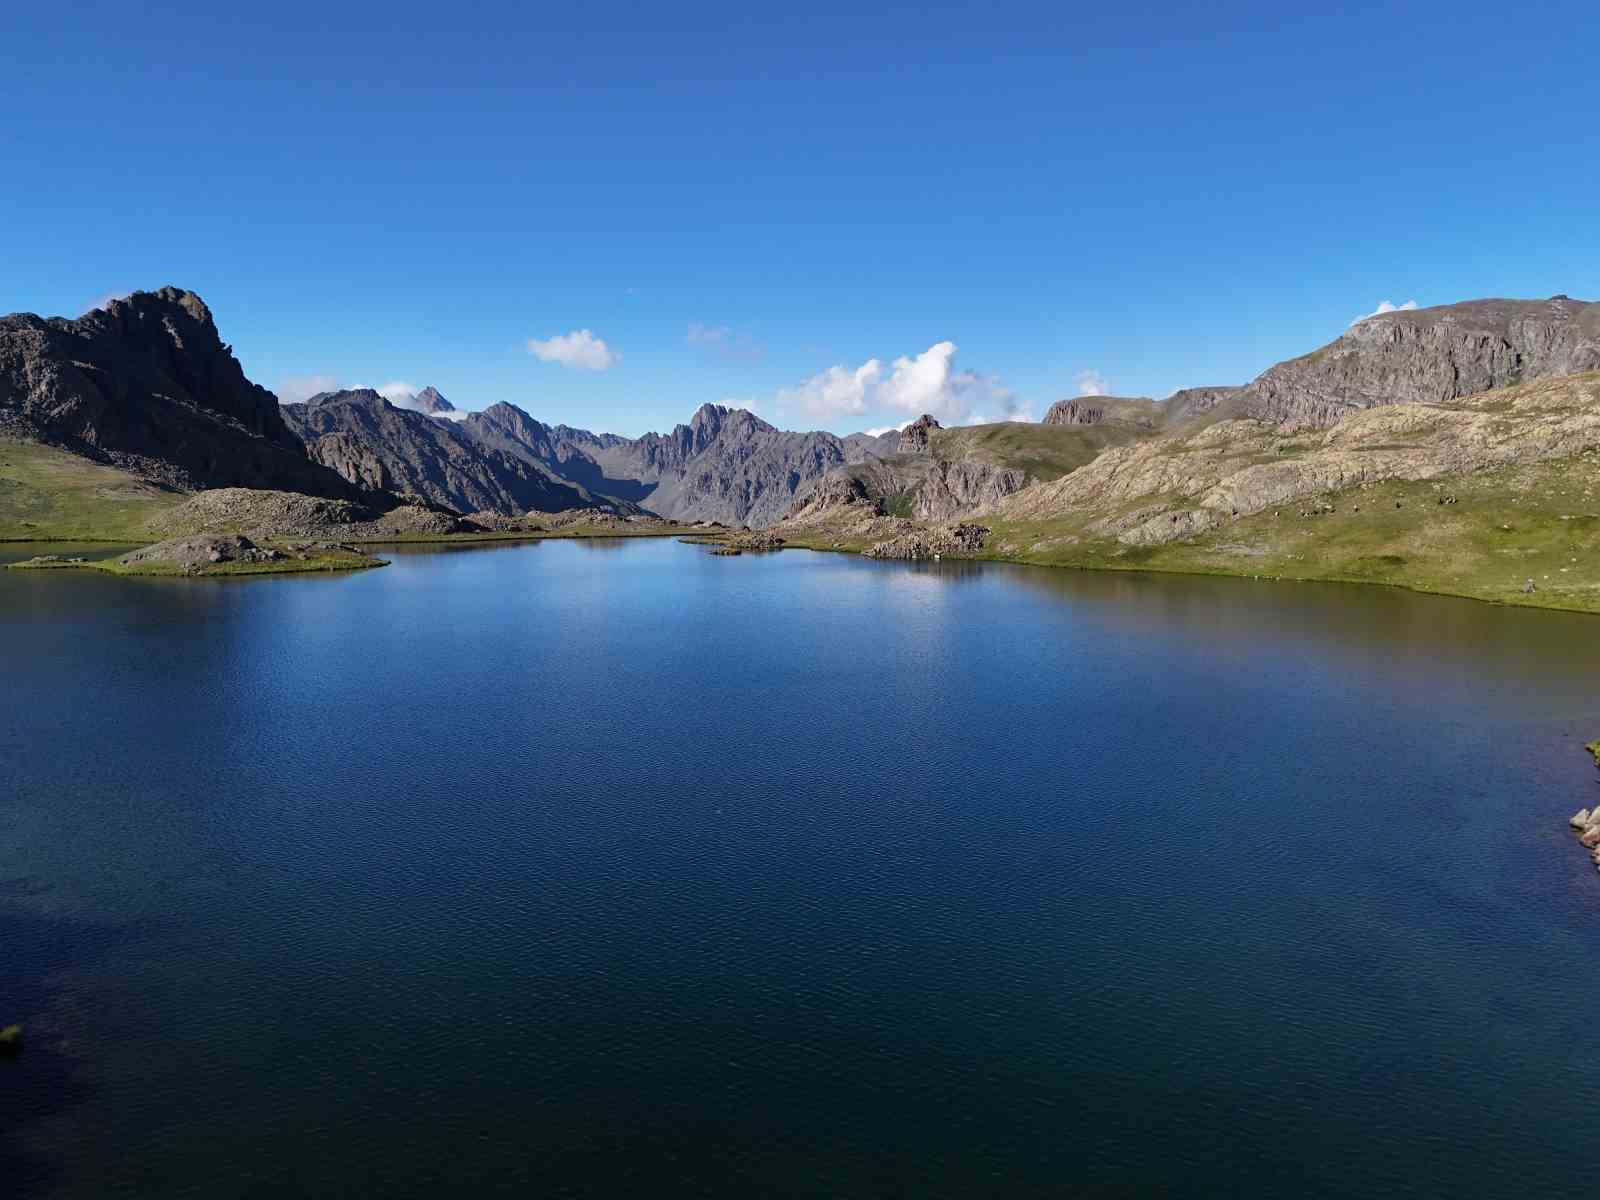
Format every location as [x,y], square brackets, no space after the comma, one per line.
[320,564]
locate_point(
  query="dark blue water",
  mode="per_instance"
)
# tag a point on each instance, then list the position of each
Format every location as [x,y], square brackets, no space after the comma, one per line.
[592,869]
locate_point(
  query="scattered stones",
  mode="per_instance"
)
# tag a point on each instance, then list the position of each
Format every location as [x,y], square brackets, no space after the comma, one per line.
[194,553]
[932,543]
[759,540]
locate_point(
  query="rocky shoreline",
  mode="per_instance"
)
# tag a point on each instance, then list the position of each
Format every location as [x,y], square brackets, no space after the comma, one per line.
[1586,821]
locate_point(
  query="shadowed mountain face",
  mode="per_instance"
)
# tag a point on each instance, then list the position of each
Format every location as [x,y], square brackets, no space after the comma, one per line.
[565,452]
[147,384]
[725,465]
[362,434]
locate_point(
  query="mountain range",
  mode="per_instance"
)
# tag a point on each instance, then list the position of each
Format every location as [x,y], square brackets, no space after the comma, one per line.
[725,465]
[149,402]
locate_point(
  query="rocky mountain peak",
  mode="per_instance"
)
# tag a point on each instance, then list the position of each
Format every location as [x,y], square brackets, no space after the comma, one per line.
[429,400]
[914,437]
[147,383]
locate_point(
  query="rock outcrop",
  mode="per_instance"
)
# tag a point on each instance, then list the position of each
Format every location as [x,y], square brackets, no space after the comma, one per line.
[147,384]
[952,489]
[1188,403]
[1097,410]
[1430,356]
[195,553]
[267,513]
[941,541]
[915,437]
[353,460]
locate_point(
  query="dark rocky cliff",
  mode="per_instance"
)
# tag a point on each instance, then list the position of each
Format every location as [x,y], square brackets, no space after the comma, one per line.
[427,457]
[147,384]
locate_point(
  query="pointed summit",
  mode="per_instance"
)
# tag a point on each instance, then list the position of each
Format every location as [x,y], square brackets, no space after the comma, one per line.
[429,400]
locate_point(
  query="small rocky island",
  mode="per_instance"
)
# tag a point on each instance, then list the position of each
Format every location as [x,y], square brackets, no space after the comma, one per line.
[216,554]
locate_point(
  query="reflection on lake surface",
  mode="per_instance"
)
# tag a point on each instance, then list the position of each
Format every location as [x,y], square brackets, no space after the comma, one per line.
[581,868]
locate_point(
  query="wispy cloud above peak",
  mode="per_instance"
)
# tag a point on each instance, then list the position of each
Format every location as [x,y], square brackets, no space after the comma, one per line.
[104,299]
[399,393]
[295,389]
[580,350]
[922,383]
[1092,383]
[1385,306]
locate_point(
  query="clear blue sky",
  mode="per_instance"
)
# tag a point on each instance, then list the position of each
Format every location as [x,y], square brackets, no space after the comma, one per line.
[734,201]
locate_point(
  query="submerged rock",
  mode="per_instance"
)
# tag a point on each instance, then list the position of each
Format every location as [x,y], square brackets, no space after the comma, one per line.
[11,1041]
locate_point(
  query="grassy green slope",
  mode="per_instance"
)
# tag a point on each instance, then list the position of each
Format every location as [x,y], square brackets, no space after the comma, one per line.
[49,495]
[1043,451]
[1539,522]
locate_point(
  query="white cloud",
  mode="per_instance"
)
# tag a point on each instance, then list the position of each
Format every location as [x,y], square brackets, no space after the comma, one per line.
[929,383]
[924,383]
[399,393]
[1385,306]
[736,345]
[1092,383]
[579,349]
[293,389]
[835,392]
[883,429]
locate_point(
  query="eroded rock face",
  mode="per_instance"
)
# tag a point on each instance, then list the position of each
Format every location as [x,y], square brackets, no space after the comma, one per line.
[147,384]
[438,460]
[356,462]
[1097,410]
[952,489]
[1187,403]
[1430,356]
[914,437]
